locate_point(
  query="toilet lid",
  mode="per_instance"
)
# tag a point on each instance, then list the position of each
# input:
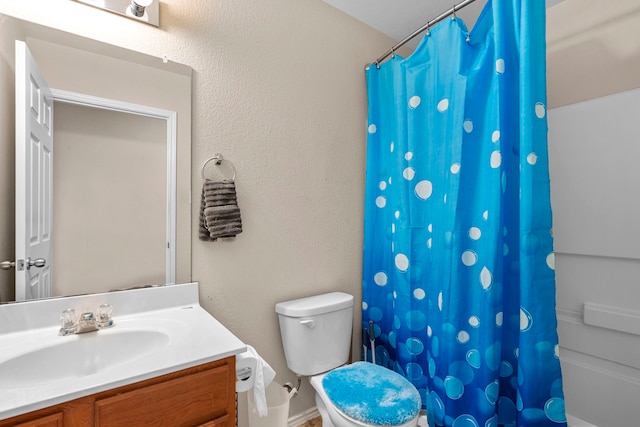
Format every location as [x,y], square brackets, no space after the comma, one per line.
[372,394]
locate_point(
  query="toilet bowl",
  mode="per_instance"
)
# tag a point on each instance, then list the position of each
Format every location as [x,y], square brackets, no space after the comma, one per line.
[316,335]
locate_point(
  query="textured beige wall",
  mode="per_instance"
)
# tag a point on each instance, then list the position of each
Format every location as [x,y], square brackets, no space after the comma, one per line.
[279,89]
[593,49]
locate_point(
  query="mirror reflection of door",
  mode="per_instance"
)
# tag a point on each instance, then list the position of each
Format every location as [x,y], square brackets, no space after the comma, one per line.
[34,161]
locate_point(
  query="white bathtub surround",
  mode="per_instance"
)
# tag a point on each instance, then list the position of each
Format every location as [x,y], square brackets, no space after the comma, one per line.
[190,337]
[598,266]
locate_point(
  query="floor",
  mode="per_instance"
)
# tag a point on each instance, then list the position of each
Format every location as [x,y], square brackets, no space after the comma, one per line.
[316,422]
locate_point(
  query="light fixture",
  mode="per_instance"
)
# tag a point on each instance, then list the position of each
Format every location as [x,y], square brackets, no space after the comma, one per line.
[147,11]
[138,7]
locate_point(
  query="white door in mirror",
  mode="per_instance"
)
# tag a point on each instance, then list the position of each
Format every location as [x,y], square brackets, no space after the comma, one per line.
[34,178]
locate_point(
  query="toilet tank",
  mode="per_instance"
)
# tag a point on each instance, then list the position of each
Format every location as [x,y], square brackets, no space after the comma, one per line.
[316,332]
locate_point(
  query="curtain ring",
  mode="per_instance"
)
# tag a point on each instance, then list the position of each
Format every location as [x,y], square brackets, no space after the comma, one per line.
[468,39]
[428,33]
[393,53]
[453,13]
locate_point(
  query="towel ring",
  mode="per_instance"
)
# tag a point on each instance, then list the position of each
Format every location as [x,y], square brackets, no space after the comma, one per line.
[218,159]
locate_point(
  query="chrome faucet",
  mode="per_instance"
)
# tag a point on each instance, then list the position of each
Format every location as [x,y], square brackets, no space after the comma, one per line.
[87,321]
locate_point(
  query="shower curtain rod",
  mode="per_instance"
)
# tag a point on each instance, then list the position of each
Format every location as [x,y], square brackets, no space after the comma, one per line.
[428,25]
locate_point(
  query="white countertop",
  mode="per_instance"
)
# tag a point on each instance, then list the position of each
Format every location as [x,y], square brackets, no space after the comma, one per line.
[194,338]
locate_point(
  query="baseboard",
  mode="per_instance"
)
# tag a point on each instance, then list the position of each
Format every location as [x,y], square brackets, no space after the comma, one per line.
[303,417]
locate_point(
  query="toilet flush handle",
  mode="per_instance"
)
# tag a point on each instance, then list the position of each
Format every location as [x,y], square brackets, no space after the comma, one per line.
[309,323]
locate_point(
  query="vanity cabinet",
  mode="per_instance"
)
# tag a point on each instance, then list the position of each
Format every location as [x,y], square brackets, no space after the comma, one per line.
[202,396]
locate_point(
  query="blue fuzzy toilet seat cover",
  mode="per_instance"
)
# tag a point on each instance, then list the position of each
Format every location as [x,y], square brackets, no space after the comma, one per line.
[372,394]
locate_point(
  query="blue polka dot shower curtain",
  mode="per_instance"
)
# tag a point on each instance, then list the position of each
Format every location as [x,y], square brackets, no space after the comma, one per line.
[458,274]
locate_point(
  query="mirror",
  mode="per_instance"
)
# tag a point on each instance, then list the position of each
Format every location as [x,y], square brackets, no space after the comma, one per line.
[109,163]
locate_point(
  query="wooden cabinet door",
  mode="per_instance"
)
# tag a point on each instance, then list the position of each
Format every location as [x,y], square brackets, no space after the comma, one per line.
[218,422]
[55,420]
[182,402]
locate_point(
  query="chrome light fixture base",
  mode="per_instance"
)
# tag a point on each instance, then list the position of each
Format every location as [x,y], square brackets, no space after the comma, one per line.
[147,11]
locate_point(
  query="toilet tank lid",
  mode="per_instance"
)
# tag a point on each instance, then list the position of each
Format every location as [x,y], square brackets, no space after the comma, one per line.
[317,304]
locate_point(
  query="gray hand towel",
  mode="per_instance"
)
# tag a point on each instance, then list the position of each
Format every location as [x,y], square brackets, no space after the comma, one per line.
[219,211]
[203,233]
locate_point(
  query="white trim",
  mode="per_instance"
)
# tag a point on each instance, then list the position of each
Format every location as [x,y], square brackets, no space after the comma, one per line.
[171,117]
[303,417]
[21,155]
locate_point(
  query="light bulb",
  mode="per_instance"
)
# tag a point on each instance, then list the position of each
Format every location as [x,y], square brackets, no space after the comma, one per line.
[137,7]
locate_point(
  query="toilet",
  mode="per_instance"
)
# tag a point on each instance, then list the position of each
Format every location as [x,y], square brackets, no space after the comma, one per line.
[316,336]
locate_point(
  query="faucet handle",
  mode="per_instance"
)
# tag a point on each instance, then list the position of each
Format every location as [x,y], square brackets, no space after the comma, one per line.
[105,312]
[68,322]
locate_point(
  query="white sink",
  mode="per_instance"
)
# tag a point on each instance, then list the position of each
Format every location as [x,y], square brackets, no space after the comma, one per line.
[80,355]
[157,331]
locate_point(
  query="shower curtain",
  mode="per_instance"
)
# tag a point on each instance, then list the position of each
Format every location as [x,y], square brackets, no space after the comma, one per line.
[458,274]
